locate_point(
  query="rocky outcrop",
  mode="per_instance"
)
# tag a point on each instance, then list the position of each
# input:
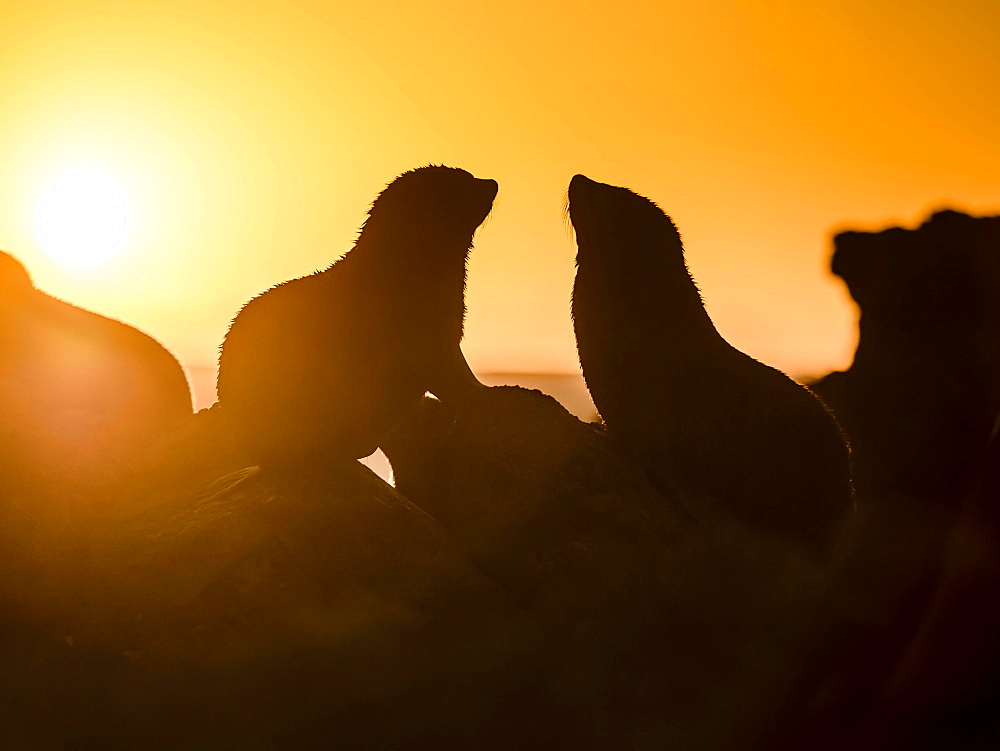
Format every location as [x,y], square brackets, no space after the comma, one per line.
[669,631]
[82,396]
[921,397]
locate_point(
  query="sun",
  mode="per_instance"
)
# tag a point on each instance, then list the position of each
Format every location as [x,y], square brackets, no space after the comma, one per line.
[82,218]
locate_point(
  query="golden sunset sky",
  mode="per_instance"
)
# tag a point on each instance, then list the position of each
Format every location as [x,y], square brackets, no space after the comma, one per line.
[249,138]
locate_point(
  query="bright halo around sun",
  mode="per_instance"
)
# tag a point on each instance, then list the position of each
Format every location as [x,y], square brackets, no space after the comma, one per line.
[82,218]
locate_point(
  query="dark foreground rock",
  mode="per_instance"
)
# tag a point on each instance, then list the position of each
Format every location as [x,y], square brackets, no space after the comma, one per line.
[267,612]
[921,397]
[676,631]
[552,599]
[919,404]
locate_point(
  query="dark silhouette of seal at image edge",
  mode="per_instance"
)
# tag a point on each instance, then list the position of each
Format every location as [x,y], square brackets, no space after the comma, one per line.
[79,390]
[320,367]
[709,423]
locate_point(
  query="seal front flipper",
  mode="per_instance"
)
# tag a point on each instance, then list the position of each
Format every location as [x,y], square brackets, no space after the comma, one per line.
[454,379]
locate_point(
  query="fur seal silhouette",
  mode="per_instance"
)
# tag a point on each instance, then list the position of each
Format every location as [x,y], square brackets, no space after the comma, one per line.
[321,366]
[708,422]
[79,392]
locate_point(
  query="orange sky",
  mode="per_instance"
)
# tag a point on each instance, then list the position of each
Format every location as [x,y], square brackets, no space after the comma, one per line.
[250,138]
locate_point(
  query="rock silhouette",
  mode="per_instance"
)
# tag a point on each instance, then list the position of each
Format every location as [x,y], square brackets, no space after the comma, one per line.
[270,611]
[82,396]
[710,424]
[921,396]
[918,404]
[321,366]
[14,278]
[664,633]
[911,658]
[524,488]
[946,689]
[83,401]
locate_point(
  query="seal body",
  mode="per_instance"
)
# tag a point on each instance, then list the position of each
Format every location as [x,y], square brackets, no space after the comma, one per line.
[709,423]
[320,367]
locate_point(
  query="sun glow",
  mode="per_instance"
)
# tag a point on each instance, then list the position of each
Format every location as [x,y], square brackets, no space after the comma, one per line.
[82,218]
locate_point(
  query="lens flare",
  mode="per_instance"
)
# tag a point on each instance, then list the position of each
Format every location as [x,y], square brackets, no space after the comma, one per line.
[82,219]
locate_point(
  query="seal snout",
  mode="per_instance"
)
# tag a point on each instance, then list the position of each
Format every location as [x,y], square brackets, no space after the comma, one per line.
[585,194]
[584,197]
[581,186]
[487,187]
